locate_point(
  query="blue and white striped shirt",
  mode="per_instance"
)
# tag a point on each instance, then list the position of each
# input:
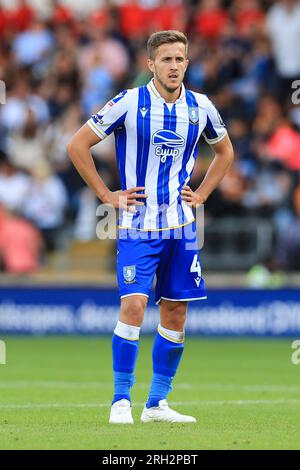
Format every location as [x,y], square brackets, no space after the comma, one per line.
[156,146]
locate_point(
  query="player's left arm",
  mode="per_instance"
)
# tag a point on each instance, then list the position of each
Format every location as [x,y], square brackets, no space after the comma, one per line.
[223,158]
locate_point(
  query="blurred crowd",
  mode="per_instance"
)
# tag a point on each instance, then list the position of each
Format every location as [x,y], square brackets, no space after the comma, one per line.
[62,60]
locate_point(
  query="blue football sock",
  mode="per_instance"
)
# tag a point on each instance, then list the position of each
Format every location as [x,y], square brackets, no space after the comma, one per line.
[166,356]
[124,358]
[123,382]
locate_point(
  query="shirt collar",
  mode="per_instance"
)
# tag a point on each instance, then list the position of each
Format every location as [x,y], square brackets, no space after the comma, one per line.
[151,87]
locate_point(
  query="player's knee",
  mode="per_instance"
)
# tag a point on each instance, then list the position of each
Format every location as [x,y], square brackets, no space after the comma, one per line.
[178,318]
[132,310]
[174,315]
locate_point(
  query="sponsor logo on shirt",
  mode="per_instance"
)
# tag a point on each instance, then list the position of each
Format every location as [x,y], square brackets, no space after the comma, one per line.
[167,144]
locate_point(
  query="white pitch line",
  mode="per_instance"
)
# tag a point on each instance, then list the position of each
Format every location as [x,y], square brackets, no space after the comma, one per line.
[178,403]
[99,385]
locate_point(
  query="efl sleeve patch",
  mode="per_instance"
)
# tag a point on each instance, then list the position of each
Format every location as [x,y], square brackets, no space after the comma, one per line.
[110,117]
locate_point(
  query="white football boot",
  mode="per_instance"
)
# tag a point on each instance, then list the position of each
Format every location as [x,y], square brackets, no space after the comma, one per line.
[163,413]
[120,412]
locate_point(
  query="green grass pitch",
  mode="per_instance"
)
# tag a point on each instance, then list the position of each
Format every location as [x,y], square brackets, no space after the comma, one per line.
[55,394]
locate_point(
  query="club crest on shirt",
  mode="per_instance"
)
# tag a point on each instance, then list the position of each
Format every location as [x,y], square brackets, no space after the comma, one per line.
[193,114]
[167,144]
[129,273]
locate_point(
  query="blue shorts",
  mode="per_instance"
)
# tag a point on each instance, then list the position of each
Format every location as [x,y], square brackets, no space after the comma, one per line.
[172,255]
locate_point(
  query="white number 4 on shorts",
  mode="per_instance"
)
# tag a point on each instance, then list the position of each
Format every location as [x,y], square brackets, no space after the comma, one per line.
[195,266]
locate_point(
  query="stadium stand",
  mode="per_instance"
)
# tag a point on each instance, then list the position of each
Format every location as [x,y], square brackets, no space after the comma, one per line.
[61,60]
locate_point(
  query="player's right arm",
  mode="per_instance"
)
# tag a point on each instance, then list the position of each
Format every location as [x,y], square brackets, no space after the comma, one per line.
[79,149]
[98,127]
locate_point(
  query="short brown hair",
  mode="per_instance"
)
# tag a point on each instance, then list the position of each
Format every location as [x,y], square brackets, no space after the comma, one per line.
[165,37]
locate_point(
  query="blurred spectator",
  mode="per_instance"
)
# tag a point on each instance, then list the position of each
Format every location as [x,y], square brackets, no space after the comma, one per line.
[257,69]
[100,18]
[142,73]
[45,203]
[32,45]
[22,15]
[14,185]
[268,190]
[61,61]
[168,16]
[105,49]
[283,27]
[227,200]
[85,223]
[21,100]
[27,147]
[284,145]
[64,69]
[83,8]
[249,16]
[61,14]
[241,139]
[20,244]
[97,87]
[134,20]
[211,19]
[59,133]
[288,253]
[268,117]
[4,20]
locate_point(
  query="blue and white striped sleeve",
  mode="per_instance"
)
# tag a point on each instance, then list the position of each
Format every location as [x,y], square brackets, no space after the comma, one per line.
[215,129]
[110,117]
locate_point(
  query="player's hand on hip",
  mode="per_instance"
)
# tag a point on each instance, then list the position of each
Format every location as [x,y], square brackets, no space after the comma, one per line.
[126,199]
[191,198]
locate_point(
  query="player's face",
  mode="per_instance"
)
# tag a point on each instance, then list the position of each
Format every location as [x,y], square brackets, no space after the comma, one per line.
[169,65]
